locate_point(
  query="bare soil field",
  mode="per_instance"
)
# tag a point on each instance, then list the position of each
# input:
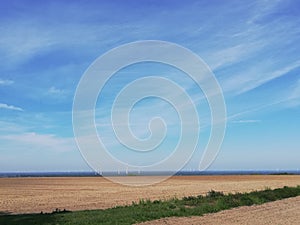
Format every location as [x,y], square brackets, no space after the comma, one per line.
[28,195]
[286,211]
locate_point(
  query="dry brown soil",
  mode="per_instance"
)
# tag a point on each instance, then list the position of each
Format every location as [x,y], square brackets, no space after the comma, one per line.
[27,195]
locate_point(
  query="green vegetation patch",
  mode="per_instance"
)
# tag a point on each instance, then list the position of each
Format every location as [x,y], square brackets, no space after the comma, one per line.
[146,210]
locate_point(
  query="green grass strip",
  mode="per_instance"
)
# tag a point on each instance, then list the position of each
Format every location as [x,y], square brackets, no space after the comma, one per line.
[146,210]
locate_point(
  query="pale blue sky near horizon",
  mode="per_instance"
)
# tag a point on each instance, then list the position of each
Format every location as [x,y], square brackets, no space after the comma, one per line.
[252,48]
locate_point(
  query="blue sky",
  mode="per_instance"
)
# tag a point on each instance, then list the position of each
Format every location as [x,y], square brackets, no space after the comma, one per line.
[251,46]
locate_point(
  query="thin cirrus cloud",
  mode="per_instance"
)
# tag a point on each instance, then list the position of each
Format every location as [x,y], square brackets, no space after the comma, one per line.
[10,107]
[292,99]
[23,41]
[44,142]
[6,82]
[296,91]
[57,93]
[249,80]
[246,121]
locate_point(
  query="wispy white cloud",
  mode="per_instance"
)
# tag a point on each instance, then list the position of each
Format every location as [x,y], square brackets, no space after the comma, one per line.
[6,82]
[263,8]
[250,111]
[9,127]
[57,93]
[249,80]
[293,97]
[271,75]
[21,40]
[233,54]
[253,56]
[54,90]
[37,151]
[40,142]
[246,121]
[10,107]
[296,91]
